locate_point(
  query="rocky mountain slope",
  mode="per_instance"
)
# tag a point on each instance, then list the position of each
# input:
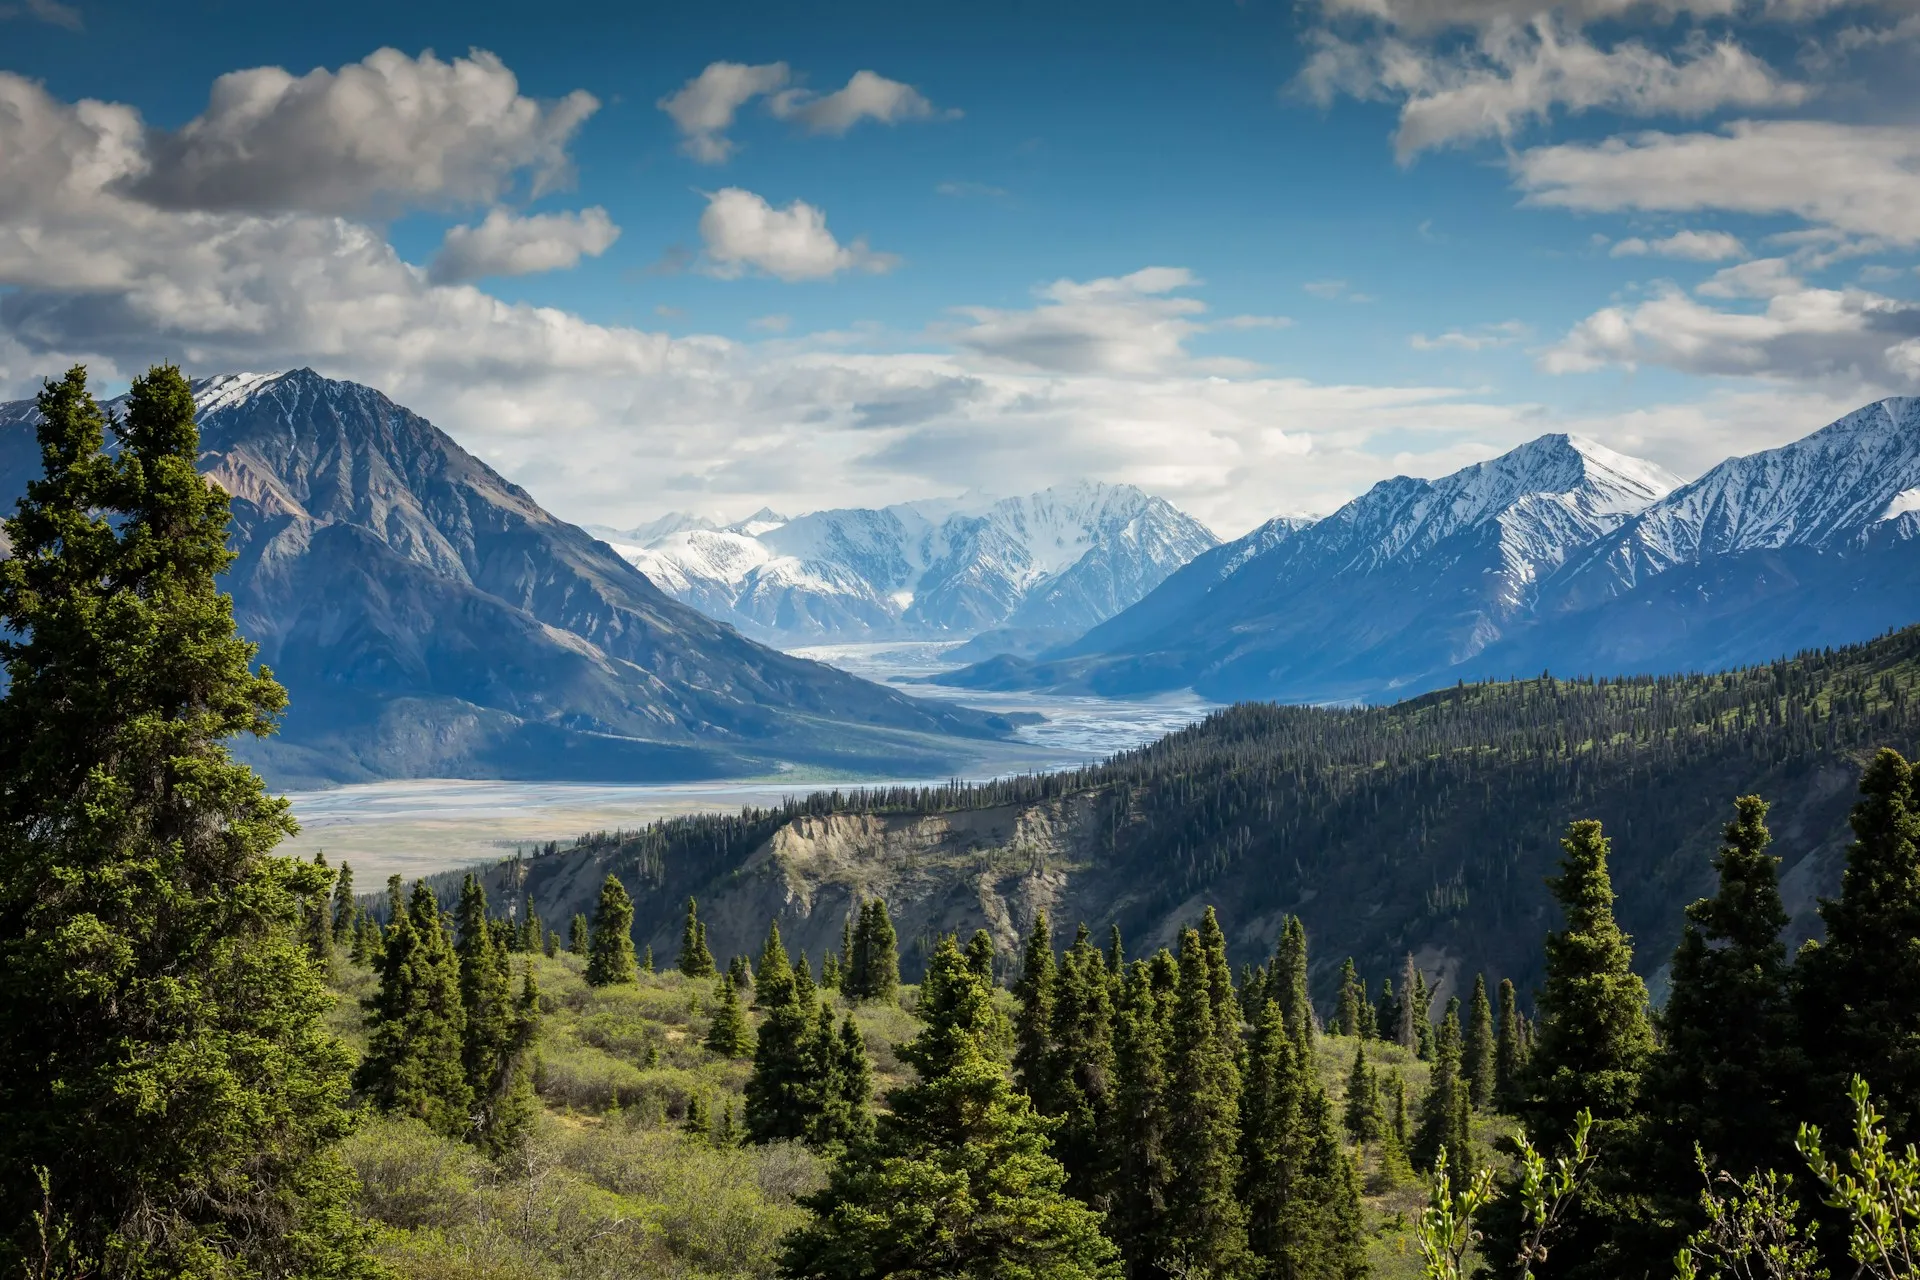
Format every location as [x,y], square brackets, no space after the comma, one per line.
[1058,561]
[1392,591]
[1427,826]
[429,618]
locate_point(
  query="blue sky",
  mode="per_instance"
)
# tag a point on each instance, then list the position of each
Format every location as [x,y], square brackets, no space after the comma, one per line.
[1253,257]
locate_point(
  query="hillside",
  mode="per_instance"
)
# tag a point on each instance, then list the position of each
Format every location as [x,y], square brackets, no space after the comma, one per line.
[430,619]
[1425,826]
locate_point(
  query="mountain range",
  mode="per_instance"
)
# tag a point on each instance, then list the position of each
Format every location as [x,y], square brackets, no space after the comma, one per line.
[1560,555]
[429,618]
[1050,564]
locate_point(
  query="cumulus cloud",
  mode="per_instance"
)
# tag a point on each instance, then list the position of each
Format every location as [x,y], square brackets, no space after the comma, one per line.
[1694,246]
[390,129]
[867,96]
[704,107]
[1517,74]
[506,244]
[1115,325]
[1853,179]
[1429,16]
[742,233]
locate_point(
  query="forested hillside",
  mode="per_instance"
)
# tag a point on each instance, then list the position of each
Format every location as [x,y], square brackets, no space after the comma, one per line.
[1426,826]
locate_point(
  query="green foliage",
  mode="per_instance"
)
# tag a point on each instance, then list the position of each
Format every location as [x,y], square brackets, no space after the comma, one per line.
[1752,1229]
[610,944]
[497,1030]
[1033,1023]
[1878,1189]
[1477,1050]
[164,1060]
[1348,1019]
[1445,1123]
[1204,1225]
[873,970]
[773,977]
[1290,979]
[729,1035]
[1079,1067]
[1365,1115]
[695,960]
[345,913]
[578,935]
[1139,1135]
[416,1022]
[1509,1055]
[958,1181]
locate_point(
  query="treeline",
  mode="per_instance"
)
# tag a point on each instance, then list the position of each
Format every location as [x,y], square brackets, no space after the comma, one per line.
[1425,823]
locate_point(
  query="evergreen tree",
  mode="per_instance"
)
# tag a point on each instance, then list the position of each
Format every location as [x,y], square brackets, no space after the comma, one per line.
[417,1023]
[980,955]
[876,952]
[1422,1017]
[610,945]
[1509,1057]
[1386,1016]
[1290,968]
[577,935]
[1079,1067]
[1139,1156]
[317,915]
[695,960]
[957,1181]
[552,946]
[531,930]
[646,958]
[1410,1008]
[830,972]
[344,910]
[366,941]
[1364,1114]
[784,1093]
[729,1036]
[494,1034]
[1353,998]
[1445,1110]
[1116,954]
[773,975]
[1477,1051]
[1033,1020]
[1369,1026]
[1205,1224]
[1856,989]
[182,1129]
[850,1105]
[1226,1008]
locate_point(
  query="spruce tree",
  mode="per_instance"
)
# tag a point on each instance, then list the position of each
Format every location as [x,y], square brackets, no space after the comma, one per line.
[1138,1137]
[1508,1051]
[1386,1018]
[729,1035]
[1205,1224]
[1422,1017]
[783,1095]
[846,1107]
[957,1180]
[577,935]
[1079,1067]
[773,975]
[1477,1051]
[1290,967]
[830,972]
[877,955]
[317,915]
[1353,997]
[1855,998]
[531,930]
[1369,1027]
[417,1024]
[1444,1111]
[1226,1007]
[492,1036]
[164,1055]
[646,958]
[610,945]
[1409,1009]
[344,910]
[980,955]
[1363,1115]
[695,960]
[1116,954]
[1033,1021]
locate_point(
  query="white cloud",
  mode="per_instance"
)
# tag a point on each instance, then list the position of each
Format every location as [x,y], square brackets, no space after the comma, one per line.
[1761,278]
[743,232]
[776,323]
[1854,179]
[1504,334]
[1117,325]
[1515,74]
[867,96]
[52,12]
[1431,16]
[1694,246]
[704,107]
[506,244]
[389,129]
[1335,291]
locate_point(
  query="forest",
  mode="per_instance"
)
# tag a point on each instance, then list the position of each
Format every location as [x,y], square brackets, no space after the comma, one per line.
[217,1061]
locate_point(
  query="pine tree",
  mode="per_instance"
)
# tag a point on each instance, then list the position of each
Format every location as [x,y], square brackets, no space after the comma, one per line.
[958,1180]
[1353,998]
[1509,1057]
[729,1036]
[1444,1111]
[1422,1017]
[1290,967]
[1205,1224]
[783,1095]
[1387,1013]
[344,910]
[179,1128]
[773,975]
[830,972]
[1142,1167]
[417,1023]
[1364,1116]
[1033,1021]
[1409,1009]
[317,915]
[492,1036]
[1079,1067]
[1369,1026]
[1856,989]
[876,964]
[577,935]
[980,955]
[850,1107]
[1226,1007]
[1116,954]
[531,930]
[1477,1052]
[610,945]
[695,960]
[552,945]
[646,958]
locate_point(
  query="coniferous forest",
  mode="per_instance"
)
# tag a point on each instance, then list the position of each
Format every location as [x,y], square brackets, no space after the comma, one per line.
[219,1062]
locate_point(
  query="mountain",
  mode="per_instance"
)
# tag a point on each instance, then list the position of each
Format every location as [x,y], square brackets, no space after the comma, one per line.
[1428,826]
[1391,591]
[430,619]
[1052,563]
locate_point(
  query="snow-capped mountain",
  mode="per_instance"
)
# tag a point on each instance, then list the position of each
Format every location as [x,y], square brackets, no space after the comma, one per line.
[429,618]
[1065,558]
[1409,578]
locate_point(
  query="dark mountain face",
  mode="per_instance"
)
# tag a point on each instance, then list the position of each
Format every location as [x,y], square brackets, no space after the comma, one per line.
[430,619]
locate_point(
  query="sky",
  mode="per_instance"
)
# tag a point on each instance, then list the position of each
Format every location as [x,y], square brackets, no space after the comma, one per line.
[1252,257]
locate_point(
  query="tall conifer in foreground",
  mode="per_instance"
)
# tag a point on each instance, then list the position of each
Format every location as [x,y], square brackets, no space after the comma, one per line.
[695,960]
[1205,1227]
[729,1035]
[1033,1021]
[1445,1110]
[180,1127]
[1141,1163]
[1509,1055]
[416,1022]
[1079,1067]
[497,1031]
[1477,1050]
[958,1180]
[875,971]
[1290,972]
[610,958]
[345,912]
[1347,1018]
